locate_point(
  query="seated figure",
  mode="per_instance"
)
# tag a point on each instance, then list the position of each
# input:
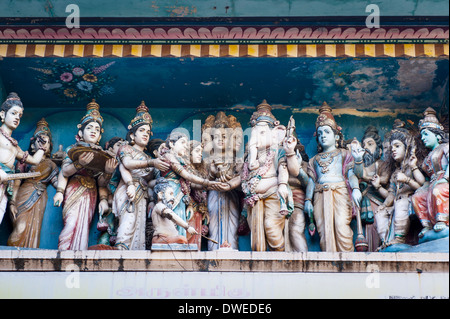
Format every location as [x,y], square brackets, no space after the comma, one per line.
[165,219]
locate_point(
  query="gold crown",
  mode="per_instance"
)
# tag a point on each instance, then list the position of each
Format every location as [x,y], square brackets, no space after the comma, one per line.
[430,120]
[92,113]
[263,113]
[42,127]
[326,117]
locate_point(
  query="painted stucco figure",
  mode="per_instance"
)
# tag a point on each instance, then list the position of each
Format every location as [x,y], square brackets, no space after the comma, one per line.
[136,169]
[11,113]
[29,198]
[107,223]
[79,184]
[297,162]
[265,181]
[430,202]
[198,206]
[165,220]
[333,191]
[374,180]
[223,136]
[174,153]
[393,226]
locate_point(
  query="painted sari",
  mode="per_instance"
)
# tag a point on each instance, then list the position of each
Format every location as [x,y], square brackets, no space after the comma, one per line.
[31,201]
[132,216]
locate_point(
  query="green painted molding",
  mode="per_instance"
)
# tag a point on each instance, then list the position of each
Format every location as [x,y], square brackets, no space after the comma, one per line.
[221,8]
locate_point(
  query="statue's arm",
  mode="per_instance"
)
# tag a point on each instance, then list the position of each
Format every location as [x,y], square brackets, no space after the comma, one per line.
[30,159]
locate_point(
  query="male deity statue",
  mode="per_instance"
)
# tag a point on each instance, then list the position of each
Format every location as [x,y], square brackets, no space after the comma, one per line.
[265,181]
[165,219]
[10,114]
[373,175]
[333,184]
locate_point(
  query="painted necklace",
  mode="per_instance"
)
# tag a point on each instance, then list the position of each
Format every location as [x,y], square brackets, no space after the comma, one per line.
[9,138]
[325,159]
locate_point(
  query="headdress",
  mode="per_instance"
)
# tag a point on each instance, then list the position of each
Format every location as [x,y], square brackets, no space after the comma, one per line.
[42,127]
[92,114]
[263,114]
[326,117]
[142,116]
[430,120]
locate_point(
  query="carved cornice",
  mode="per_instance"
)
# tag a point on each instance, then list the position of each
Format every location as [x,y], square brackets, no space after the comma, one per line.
[222,35]
[223,41]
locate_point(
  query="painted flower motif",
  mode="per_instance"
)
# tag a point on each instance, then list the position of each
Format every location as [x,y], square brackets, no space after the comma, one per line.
[75,83]
[78,71]
[66,77]
[70,92]
[90,78]
[84,86]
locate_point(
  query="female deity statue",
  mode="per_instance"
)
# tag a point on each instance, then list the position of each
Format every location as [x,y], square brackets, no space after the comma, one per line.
[333,184]
[174,153]
[137,169]
[198,206]
[29,198]
[107,223]
[405,180]
[430,202]
[10,114]
[224,135]
[79,183]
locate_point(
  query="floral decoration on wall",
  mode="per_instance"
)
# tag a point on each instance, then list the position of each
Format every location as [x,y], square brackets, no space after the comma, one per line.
[74,83]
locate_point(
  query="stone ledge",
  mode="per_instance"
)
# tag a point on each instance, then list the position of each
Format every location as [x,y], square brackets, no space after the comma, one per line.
[222,261]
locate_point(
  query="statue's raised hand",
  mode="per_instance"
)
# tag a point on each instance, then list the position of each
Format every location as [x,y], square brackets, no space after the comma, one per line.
[110,165]
[357,151]
[289,145]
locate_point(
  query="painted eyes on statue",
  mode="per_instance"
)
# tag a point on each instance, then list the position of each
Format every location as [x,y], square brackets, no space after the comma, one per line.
[14,113]
[93,128]
[143,130]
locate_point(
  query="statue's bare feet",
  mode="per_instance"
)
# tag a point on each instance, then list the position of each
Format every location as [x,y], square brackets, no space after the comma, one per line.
[423,231]
[439,226]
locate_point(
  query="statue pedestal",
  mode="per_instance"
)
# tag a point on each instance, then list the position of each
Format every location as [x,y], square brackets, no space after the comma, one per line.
[222,274]
[178,247]
[433,235]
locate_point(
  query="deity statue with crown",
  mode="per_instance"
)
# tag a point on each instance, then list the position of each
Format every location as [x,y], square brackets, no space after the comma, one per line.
[265,178]
[223,137]
[430,201]
[333,191]
[11,113]
[83,179]
[137,169]
[29,198]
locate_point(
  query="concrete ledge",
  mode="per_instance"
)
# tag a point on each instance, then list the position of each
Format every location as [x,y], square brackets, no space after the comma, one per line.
[276,262]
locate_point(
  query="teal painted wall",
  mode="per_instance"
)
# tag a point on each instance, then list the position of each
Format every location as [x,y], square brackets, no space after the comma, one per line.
[221,8]
[2,90]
